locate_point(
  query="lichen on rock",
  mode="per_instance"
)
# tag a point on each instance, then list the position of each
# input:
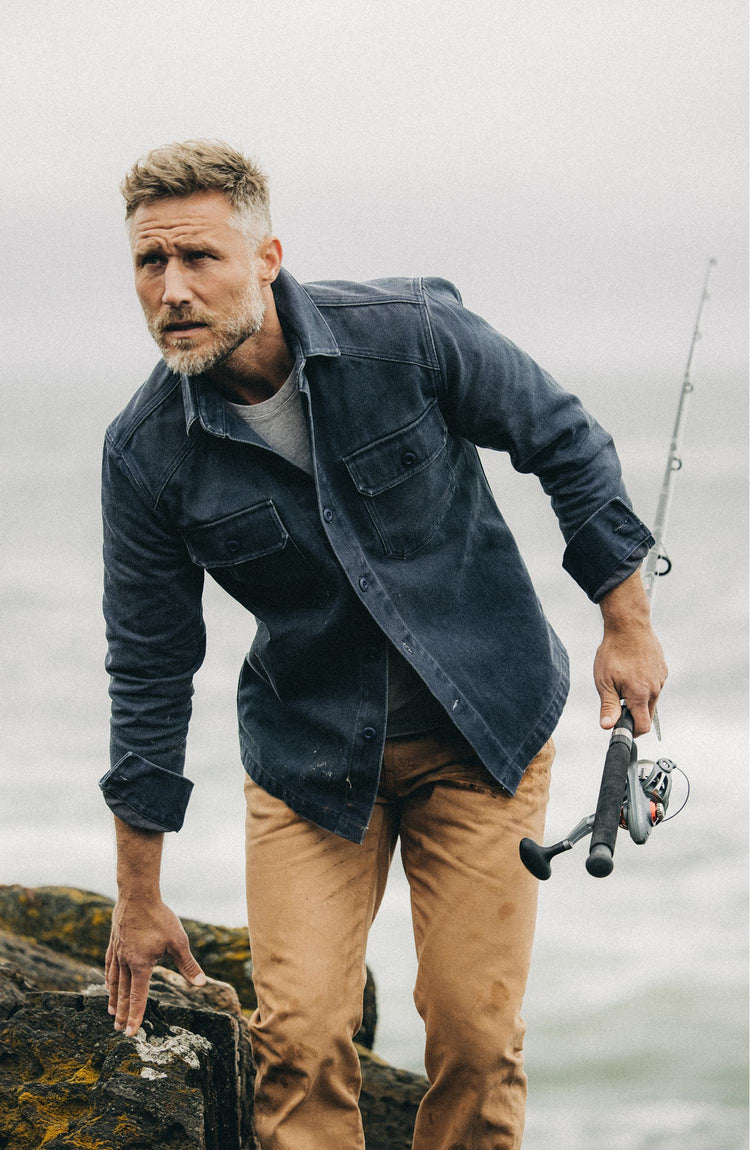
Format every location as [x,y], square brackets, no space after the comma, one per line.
[179,1043]
[68,1081]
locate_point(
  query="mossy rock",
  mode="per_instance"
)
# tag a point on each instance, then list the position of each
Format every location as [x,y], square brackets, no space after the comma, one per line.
[77,923]
[69,1082]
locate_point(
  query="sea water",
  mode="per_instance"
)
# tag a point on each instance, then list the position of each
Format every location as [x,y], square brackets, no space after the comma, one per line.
[637,1001]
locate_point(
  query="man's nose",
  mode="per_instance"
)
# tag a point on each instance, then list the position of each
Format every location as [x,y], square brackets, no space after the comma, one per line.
[176,288]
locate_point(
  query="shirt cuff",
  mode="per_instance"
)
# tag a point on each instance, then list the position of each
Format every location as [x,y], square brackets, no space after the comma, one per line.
[146,795]
[621,573]
[607,548]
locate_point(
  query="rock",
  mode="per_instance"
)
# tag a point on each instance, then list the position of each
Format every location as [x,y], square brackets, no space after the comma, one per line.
[68,1081]
[389,1102]
[13,990]
[43,968]
[77,923]
[169,986]
[40,968]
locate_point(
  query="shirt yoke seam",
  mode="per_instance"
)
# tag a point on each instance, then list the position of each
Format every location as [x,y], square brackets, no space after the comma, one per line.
[365,353]
[357,300]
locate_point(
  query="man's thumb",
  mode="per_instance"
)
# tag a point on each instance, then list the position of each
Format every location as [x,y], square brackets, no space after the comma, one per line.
[610,710]
[190,970]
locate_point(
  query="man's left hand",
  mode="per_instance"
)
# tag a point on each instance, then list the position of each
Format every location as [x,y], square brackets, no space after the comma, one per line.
[629,663]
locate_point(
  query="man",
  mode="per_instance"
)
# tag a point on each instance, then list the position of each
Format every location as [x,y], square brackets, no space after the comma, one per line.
[314,450]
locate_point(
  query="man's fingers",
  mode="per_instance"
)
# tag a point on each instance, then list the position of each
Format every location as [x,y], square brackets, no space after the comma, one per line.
[128,995]
[112,978]
[641,712]
[640,708]
[138,1000]
[122,1002]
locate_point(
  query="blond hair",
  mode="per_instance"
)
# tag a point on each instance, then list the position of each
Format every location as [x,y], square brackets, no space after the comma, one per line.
[181,169]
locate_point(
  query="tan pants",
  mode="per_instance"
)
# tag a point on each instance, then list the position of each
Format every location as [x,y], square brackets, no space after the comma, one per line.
[312,898]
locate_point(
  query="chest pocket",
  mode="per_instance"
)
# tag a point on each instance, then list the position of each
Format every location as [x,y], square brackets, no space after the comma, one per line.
[406,482]
[253,556]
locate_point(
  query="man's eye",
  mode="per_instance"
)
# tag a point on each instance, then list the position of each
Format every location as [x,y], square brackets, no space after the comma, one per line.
[151,258]
[198,256]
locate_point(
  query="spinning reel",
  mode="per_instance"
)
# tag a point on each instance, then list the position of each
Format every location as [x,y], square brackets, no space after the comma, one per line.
[636,802]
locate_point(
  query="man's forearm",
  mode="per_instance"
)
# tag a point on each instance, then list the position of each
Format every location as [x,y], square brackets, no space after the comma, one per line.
[626,605]
[138,861]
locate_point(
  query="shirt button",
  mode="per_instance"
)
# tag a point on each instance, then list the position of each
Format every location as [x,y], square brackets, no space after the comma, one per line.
[327,514]
[369,732]
[408,459]
[363,584]
[233,546]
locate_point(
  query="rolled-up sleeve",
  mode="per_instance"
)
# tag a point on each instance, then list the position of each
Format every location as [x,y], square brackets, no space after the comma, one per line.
[145,795]
[496,396]
[155,644]
[606,549]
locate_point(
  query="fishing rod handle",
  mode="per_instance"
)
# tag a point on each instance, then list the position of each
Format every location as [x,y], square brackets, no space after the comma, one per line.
[611,795]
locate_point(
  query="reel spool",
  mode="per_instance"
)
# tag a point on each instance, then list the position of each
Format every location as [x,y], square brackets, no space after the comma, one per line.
[647,797]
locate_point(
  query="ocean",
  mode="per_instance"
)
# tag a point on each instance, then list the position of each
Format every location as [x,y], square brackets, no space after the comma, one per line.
[637,1002]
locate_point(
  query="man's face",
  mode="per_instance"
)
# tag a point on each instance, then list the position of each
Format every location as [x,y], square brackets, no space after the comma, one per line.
[197,278]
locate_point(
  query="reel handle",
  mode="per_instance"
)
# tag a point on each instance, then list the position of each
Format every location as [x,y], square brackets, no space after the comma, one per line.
[536,858]
[611,794]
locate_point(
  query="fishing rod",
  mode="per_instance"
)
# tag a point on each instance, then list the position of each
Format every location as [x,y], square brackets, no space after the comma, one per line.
[634,793]
[657,555]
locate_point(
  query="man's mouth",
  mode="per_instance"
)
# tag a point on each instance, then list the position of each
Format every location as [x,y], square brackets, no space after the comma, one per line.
[184,327]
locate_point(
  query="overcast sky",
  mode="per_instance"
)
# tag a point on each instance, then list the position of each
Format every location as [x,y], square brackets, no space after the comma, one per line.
[571,164]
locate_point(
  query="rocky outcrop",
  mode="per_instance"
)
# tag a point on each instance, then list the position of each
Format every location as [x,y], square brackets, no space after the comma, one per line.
[77,923]
[68,1081]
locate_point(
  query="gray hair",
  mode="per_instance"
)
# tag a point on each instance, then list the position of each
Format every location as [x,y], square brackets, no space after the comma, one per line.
[181,169]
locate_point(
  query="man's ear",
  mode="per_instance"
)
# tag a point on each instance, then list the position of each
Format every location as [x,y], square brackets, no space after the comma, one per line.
[270,255]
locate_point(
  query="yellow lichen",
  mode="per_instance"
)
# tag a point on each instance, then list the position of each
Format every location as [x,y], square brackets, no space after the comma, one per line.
[85,1074]
[69,1070]
[60,1126]
[126,1127]
[45,1117]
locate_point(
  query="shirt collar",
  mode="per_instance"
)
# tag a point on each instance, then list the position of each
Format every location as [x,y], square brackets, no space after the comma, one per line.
[301,314]
[310,330]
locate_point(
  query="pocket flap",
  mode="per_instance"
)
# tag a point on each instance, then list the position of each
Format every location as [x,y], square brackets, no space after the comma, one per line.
[236,538]
[395,457]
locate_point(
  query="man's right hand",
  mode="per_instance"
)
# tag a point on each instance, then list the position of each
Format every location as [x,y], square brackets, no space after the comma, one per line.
[143,928]
[141,934]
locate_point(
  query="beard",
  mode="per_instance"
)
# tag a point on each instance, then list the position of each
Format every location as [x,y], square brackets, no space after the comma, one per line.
[228,329]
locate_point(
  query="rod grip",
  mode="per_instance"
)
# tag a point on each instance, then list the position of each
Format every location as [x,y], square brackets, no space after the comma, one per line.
[611,794]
